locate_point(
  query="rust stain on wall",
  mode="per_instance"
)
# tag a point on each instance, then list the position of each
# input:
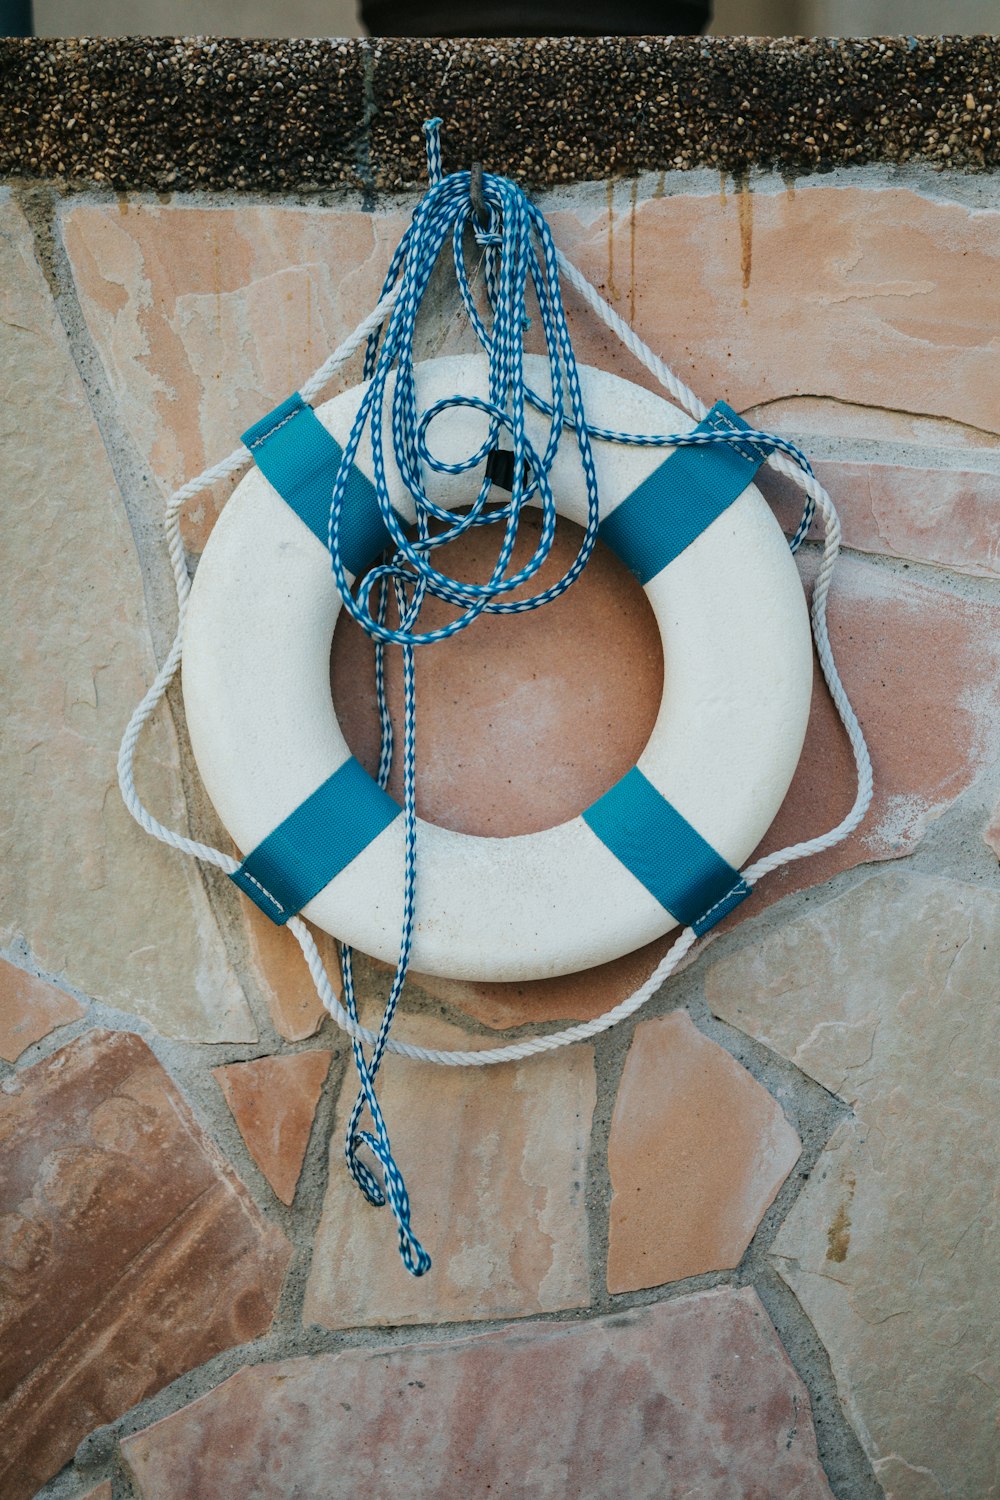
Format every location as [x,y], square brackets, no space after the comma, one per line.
[631,250]
[612,288]
[838,1236]
[744,207]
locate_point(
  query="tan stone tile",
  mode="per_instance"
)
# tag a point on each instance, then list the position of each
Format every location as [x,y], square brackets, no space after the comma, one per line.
[919,663]
[847,294]
[96,899]
[698,1151]
[273,1101]
[495,1161]
[29,1009]
[207,317]
[695,1396]
[102,1492]
[887,996]
[132,1251]
[946,516]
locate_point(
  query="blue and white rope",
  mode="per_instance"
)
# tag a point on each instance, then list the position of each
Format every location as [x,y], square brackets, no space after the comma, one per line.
[518,248]
[520,253]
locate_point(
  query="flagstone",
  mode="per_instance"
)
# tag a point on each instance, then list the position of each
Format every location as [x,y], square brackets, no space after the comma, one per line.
[102,1492]
[852,422]
[206,317]
[919,661]
[697,1153]
[273,1101]
[96,900]
[694,1396]
[886,996]
[950,517]
[185,304]
[29,1009]
[495,1162]
[850,294]
[132,1251]
[296,1010]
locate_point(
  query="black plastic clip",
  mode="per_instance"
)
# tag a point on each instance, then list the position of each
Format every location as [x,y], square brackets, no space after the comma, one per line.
[500,469]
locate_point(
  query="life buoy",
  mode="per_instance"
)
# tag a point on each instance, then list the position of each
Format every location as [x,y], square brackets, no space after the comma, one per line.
[654,851]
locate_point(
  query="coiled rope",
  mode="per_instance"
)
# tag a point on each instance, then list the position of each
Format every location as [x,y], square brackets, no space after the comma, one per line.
[518,250]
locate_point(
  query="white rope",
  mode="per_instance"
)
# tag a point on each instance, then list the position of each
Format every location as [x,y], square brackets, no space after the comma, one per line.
[657,367]
[529,1046]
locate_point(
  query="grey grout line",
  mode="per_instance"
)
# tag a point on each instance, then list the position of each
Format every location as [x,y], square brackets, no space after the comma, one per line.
[814,1113]
[847,1466]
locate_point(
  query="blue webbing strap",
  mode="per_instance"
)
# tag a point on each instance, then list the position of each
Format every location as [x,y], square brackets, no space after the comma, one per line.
[296,454]
[655,523]
[661,849]
[315,842]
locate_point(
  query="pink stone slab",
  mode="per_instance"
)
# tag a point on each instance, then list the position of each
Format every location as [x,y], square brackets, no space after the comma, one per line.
[133,927]
[945,516]
[131,1252]
[29,1009]
[495,1161]
[273,1100]
[208,317]
[852,294]
[920,663]
[698,1151]
[691,1397]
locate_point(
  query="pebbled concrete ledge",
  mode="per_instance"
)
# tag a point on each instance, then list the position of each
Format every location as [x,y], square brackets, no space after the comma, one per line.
[153,113]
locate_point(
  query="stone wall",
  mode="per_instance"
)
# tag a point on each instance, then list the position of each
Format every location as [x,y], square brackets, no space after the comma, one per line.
[746,1244]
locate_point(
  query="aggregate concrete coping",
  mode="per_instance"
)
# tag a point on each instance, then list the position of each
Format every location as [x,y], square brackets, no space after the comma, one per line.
[303,116]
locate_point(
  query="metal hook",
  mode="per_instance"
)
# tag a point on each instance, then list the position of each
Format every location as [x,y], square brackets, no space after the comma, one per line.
[478,201]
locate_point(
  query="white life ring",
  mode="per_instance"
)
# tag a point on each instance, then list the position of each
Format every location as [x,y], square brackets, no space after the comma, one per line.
[737,684]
